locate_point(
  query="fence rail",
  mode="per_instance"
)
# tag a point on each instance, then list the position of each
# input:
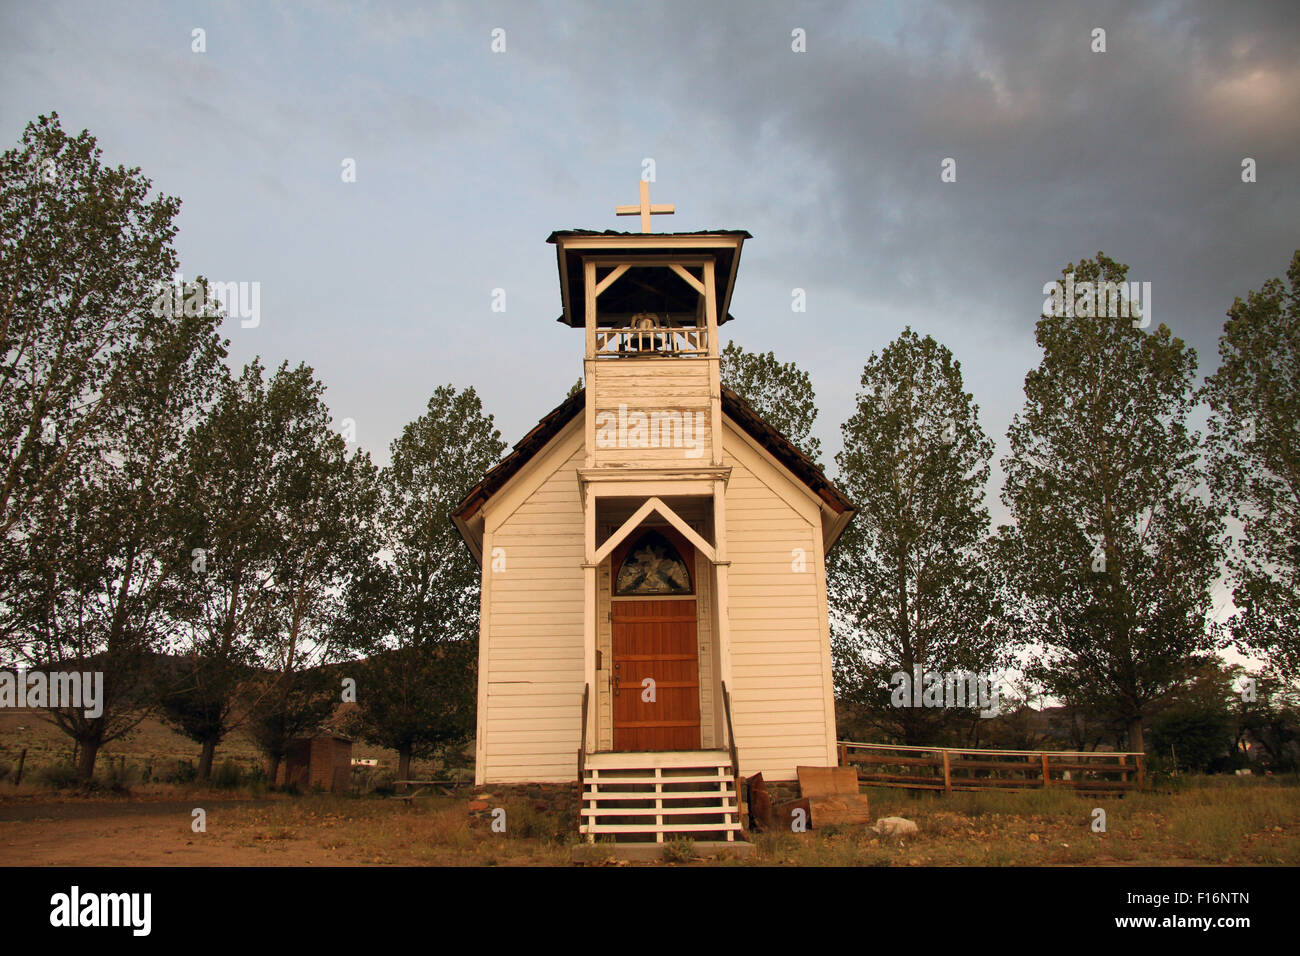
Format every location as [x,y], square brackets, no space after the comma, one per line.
[955,768]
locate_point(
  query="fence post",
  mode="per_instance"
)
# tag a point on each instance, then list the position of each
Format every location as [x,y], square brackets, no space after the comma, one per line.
[22,759]
[844,755]
[1123,762]
[947,774]
[1141,760]
[1047,774]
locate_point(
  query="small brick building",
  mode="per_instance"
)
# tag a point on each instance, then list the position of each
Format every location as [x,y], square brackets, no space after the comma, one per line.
[324,760]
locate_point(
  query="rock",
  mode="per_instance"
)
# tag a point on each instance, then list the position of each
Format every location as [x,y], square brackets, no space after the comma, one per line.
[475,805]
[895,827]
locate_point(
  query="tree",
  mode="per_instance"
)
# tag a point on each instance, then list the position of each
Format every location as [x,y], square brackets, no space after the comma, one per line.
[1197,724]
[96,387]
[101,554]
[909,581]
[414,614]
[1112,551]
[81,249]
[1270,718]
[321,527]
[272,502]
[781,393]
[1254,434]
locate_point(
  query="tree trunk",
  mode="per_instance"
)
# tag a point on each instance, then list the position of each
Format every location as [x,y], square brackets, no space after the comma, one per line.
[205,760]
[1135,736]
[404,765]
[272,768]
[86,759]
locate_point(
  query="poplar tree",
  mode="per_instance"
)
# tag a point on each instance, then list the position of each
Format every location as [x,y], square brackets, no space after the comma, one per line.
[414,613]
[910,580]
[1254,434]
[275,516]
[97,387]
[1113,549]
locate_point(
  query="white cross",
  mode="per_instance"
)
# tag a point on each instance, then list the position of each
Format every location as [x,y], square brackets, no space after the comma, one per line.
[644,209]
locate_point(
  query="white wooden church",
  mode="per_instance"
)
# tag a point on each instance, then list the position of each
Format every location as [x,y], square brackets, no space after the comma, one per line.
[654,619]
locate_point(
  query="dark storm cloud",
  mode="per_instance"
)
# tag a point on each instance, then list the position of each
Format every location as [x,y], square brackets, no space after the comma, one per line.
[830,157]
[1060,151]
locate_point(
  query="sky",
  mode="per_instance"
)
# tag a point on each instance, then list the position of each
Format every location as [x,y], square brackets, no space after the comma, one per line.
[467,157]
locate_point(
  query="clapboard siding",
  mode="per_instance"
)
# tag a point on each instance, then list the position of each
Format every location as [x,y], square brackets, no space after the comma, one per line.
[532,661]
[534,656]
[654,386]
[779,640]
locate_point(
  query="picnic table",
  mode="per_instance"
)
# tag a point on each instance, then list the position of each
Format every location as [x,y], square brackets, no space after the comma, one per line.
[424,786]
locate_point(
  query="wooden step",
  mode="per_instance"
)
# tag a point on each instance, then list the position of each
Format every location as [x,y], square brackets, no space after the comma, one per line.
[716,778]
[593,828]
[658,811]
[649,760]
[665,795]
[711,795]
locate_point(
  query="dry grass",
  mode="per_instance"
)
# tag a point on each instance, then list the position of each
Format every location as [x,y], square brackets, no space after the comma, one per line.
[1212,821]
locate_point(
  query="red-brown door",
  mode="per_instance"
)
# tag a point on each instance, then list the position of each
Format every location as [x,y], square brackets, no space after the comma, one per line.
[655,640]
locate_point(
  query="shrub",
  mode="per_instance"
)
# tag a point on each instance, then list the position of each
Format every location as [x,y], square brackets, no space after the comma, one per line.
[60,776]
[227,776]
[679,851]
[115,779]
[185,772]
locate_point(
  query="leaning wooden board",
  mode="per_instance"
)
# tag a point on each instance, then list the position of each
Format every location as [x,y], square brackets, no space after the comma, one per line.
[832,794]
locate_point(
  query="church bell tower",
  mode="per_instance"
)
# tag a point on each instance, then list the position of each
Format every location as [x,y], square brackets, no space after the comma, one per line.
[650,305]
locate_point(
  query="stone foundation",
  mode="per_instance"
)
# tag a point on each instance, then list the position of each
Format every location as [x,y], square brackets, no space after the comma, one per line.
[560,800]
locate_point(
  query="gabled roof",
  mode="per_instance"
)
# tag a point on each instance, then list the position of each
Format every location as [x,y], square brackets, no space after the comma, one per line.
[528,446]
[733,406]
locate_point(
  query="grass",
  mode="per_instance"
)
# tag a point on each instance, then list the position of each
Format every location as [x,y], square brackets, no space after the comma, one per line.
[1206,821]
[1213,820]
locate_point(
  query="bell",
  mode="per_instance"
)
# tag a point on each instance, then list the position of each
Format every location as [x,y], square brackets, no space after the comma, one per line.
[645,337]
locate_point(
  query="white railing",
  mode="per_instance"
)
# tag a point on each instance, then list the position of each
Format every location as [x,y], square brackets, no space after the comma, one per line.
[615,343]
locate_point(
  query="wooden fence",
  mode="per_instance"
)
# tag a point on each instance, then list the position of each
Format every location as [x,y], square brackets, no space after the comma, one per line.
[950,768]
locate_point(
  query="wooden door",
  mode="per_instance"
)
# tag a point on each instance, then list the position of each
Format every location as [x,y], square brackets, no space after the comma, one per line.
[656,640]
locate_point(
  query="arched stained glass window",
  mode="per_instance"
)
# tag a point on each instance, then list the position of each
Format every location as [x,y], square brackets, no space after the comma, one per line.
[653,565]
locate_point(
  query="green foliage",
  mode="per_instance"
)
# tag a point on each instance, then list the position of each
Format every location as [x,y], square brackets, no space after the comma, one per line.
[910,581]
[781,393]
[97,389]
[413,612]
[289,704]
[1112,552]
[1272,722]
[281,517]
[1254,434]
[1198,723]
